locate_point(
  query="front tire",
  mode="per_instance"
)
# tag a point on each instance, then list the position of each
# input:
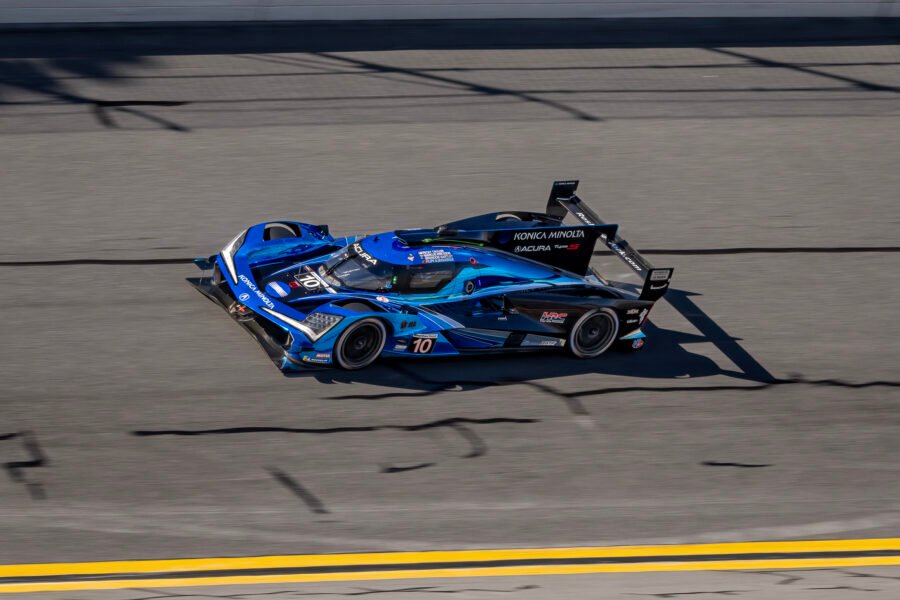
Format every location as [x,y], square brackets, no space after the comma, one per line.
[593,333]
[360,344]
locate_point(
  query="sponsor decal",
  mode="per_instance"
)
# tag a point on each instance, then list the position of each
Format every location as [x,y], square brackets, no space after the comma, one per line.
[643,315]
[629,321]
[293,284]
[518,249]
[323,358]
[435,256]
[400,346]
[660,275]
[632,311]
[410,257]
[621,252]
[262,297]
[549,343]
[584,218]
[278,289]
[555,234]
[244,297]
[364,255]
[659,287]
[554,317]
[382,298]
[426,336]
[636,344]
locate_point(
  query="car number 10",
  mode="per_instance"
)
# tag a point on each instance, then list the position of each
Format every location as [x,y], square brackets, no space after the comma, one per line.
[422,345]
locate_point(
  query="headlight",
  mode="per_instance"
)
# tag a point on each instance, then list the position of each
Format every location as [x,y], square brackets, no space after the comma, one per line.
[314,326]
[228,254]
[319,323]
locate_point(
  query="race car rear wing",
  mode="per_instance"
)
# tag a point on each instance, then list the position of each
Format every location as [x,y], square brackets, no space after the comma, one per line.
[544,238]
[563,200]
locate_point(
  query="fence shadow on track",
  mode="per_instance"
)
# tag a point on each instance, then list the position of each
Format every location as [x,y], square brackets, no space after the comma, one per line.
[666,356]
[46,83]
[55,69]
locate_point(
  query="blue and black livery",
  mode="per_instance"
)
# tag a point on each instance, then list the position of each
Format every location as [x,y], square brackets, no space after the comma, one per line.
[500,282]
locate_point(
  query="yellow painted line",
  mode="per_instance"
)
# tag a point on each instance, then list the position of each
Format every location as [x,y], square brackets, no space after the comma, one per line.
[813,563]
[405,558]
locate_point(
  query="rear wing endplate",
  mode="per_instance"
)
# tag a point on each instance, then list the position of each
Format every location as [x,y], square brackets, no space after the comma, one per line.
[563,200]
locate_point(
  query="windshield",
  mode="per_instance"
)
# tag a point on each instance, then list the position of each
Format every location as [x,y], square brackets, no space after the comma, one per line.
[356,269]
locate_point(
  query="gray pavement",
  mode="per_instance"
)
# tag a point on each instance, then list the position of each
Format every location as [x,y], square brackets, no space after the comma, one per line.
[807,584]
[107,369]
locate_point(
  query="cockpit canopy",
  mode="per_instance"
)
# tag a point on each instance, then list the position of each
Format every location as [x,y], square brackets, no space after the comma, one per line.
[354,268]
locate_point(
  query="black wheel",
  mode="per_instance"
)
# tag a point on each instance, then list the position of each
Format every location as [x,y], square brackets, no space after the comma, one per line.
[360,344]
[593,333]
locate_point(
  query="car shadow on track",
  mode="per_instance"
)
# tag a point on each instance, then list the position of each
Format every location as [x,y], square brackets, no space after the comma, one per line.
[665,356]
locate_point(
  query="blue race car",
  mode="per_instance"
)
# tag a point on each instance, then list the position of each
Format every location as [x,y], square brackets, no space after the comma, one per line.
[501,282]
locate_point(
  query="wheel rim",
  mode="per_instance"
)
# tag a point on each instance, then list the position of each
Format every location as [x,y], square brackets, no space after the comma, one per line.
[361,345]
[595,334]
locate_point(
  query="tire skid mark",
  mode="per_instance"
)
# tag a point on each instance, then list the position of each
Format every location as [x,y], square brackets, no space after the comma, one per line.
[311,500]
[16,469]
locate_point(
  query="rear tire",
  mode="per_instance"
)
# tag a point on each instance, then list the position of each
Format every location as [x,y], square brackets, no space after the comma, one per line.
[593,333]
[360,344]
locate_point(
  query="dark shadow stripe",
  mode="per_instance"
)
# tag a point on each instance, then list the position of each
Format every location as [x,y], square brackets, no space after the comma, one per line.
[618,560]
[451,422]
[97,40]
[395,469]
[96,261]
[764,384]
[837,383]
[717,463]
[502,69]
[660,251]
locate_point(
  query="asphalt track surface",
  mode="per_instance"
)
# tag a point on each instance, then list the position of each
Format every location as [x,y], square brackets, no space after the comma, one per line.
[139,422]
